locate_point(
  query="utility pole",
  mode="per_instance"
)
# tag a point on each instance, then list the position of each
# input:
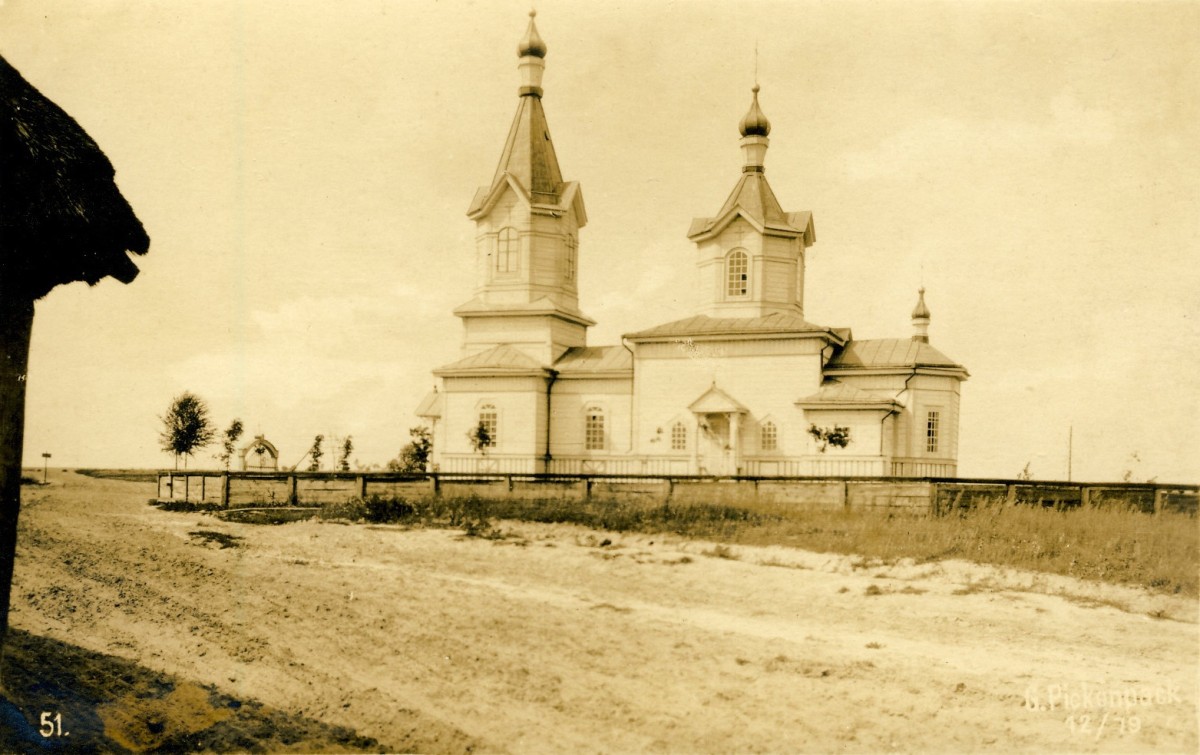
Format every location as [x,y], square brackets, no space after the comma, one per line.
[45,463]
[1070,449]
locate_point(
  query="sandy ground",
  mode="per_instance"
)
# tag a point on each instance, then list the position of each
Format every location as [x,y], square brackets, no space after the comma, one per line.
[557,638]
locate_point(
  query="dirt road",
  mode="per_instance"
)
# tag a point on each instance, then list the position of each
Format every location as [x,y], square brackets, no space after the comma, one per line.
[560,639]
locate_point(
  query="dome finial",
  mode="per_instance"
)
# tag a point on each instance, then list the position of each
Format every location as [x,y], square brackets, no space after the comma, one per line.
[920,318]
[532,44]
[754,123]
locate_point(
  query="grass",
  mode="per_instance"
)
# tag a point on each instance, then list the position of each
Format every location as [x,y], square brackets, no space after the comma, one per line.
[1161,552]
[128,475]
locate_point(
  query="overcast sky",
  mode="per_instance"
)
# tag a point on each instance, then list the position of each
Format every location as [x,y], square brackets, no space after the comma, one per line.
[304,168]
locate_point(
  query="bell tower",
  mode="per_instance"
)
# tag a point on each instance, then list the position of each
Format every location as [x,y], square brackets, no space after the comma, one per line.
[751,254]
[527,223]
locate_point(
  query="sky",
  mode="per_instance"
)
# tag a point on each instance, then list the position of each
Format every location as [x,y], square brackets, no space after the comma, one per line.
[304,168]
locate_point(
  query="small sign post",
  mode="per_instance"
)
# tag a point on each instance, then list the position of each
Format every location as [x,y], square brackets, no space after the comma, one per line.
[45,463]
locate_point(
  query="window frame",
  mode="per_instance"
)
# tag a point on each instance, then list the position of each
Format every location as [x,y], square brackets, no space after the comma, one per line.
[595,429]
[768,436]
[933,427]
[679,437]
[493,426]
[508,251]
[572,261]
[737,279]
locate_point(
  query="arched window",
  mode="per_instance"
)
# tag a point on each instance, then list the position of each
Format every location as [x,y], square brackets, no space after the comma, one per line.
[489,424]
[593,430]
[737,273]
[768,437]
[678,437]
[507,251]
[572,257]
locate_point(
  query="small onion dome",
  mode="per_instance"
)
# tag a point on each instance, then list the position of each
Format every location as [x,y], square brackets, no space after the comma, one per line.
[754,123]
[921,311]
[532,44]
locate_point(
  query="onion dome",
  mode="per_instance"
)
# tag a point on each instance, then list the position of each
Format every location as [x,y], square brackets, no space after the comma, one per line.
[754,123]
[532,44]
[921,311]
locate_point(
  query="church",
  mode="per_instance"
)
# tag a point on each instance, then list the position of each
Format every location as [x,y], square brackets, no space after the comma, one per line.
[745,386]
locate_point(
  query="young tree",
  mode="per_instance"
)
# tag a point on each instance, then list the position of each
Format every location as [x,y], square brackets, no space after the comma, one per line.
[186,427]
[481,438]
[830,436]
[315,453]
[415,455]
[347,448]
[229,443]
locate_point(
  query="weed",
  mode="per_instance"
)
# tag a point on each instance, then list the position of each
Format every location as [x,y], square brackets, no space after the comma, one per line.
[721,551]
[222,539]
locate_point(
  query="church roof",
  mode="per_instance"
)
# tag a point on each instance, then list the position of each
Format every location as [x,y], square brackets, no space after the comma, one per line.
[834,394]
[431,405]
[588,359]
[498,359]
[717,401]
[889,352]
[703,325]
[753,199]
[477,307]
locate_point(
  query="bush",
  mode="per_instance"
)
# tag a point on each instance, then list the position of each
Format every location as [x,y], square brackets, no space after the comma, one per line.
[353,510]
[381,510]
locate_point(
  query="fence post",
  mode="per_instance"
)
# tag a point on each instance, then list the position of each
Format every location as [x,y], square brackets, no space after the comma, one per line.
[1010,495]
[435,487]
[187,479]
[587,488]
[225,490]
[1159,495]
[202,481]
[1085,497]
[293,498]
[361,482]
[845,494]
[670,490]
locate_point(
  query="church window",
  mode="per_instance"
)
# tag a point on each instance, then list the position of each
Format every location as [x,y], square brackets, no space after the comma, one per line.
[572,256]
[489,422]
[507,251]
[932,427]
[768,439]
[678,437]
[593,439]
[737,273]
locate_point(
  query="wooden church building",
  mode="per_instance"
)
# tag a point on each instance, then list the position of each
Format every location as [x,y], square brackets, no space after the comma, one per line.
[745,386]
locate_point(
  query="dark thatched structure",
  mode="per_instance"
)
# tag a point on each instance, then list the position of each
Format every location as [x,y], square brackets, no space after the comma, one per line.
[62,220]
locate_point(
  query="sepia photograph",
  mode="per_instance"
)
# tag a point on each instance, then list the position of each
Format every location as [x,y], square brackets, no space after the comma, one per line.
[785,376]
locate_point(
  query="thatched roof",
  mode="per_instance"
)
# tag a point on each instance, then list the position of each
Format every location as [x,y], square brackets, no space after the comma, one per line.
[62,218]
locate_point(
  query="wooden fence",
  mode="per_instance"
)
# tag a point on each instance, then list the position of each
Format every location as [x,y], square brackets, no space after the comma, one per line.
[931,494]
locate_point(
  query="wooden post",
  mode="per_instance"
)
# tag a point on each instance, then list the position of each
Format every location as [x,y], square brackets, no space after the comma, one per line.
[293,498]
[845,494]
[1010,495]
[670,490]
[1159,495]
[361,482]
[202,481]
[16,324]
[435,488]
[587,488]
[1085,497]
[187,489]
[225,490]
